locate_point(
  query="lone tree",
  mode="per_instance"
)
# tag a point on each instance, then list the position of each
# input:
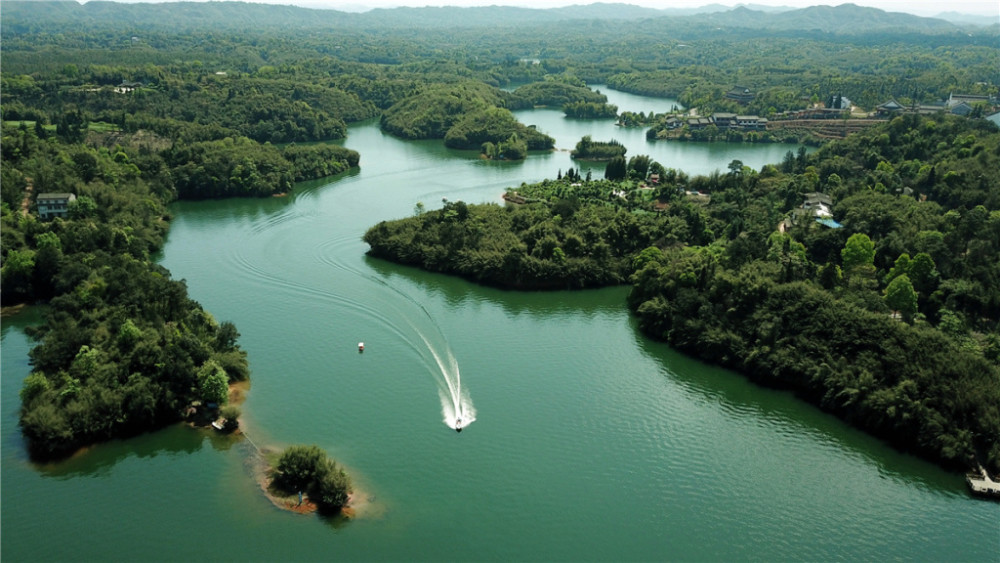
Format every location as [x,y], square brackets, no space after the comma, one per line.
[900,296]
[858,256]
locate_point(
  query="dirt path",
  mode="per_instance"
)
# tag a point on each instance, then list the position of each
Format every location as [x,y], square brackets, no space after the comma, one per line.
[26,202]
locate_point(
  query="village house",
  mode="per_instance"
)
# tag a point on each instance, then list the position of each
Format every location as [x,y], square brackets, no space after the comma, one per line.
[970,100]
[127,86]
[892,107]
[751,122]
[955,104]
[819,203]
[723,119]
[927,109]
[885,109]
[839,102]
[673,123]
[740,94]
[53,205]
[962,109]
[815,206]
[699,122]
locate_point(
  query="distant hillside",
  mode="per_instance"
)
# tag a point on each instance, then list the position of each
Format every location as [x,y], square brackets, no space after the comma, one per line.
[29,15]
[846,18]
[500,16]
[21,16]
[970,19]
[723,8]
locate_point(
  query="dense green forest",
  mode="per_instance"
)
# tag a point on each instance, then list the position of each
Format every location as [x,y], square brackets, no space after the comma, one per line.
[131,106]
[661,128]
[123,348]
[864,54]
[555,93]
[590,110]
[467,115]
[530,247]
[891,321]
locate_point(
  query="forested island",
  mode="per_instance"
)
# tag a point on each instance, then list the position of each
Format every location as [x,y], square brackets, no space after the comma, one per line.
[589,149]
[890,320]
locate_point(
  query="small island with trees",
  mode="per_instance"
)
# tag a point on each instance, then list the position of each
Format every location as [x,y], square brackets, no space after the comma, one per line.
[304,479]
[589,149]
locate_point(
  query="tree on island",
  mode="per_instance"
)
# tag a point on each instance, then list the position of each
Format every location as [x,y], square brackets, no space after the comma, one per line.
[589,149]
[308,469]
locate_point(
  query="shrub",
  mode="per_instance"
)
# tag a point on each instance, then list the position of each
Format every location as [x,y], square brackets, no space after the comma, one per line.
[232,414]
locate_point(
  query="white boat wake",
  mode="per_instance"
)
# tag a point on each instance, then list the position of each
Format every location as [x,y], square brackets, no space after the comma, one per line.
[456,405]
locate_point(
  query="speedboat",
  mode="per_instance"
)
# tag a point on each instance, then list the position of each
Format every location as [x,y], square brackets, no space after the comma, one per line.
[458,425]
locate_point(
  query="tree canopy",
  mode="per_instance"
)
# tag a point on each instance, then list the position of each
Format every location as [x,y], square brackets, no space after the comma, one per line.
[307,469]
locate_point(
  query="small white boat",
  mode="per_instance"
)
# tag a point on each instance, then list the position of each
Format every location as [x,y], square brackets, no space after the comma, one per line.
[361,346]
[458,425]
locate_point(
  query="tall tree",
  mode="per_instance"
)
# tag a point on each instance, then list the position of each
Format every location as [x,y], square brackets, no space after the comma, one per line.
[901,297]
[858,256]
[616,169]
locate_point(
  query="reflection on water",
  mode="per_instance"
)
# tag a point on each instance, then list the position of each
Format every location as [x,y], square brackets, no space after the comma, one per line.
[742,399]
[459,293]
[100,459]
[97,460]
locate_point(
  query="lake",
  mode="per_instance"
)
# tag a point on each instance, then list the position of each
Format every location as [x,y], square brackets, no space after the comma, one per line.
[590,441]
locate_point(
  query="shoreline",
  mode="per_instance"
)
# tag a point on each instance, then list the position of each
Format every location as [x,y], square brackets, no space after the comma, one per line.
[261,467]
[11,310]
[262,459]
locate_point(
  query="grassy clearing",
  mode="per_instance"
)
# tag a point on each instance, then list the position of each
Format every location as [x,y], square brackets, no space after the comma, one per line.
[96,126]
[29,125]
[103,127]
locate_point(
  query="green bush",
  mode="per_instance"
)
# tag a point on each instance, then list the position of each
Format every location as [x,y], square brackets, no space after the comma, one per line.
[331,489]
[231,413]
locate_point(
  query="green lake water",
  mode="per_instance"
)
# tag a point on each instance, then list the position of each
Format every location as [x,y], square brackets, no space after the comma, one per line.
[590,441]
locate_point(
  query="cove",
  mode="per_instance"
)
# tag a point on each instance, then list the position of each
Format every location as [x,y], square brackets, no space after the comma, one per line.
[591,442]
